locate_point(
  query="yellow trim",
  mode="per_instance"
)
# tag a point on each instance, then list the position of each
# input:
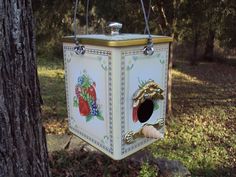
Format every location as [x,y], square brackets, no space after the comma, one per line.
[118,43]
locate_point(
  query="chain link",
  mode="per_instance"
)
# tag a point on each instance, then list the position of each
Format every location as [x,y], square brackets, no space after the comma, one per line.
[79,49]
[148,49]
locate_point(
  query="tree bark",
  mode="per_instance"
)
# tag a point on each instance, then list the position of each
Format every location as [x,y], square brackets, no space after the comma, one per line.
[195,47]
[23,150]
[169,87]
[169,27]
[162,19]
[209,49]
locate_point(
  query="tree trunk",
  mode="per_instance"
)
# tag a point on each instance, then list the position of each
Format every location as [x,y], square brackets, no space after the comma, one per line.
[209,49]
[162,19]
[169,87]
[195,46]
[169,27]
[23,150]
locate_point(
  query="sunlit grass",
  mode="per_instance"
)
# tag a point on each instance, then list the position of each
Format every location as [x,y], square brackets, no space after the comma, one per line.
[148,170]
[52,84]
[201,141]
[185,77]
[51,73]
[201,132]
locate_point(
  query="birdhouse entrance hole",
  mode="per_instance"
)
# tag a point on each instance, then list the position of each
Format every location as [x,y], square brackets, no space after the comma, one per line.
[145,110]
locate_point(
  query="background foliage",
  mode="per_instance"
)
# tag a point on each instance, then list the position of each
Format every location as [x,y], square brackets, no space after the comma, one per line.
[199,25]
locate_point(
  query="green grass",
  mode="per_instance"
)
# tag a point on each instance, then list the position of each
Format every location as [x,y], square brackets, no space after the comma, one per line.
[148,170]
[52,84]
[201,133]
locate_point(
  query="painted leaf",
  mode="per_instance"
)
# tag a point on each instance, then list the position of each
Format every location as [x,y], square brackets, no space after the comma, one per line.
[88,118]
[156,106]
[100,117]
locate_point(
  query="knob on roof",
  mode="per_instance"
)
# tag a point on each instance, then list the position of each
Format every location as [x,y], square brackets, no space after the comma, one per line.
[114,27]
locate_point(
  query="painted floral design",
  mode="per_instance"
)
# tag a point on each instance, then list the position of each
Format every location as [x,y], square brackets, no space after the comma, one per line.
[85,91]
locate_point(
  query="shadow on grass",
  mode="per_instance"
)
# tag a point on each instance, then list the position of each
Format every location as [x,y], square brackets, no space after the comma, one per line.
[54,96]
[200,157]
[219,172]
[201,134]
[208,84]
[50,63]
[52,84]
[87,163]
[209,88]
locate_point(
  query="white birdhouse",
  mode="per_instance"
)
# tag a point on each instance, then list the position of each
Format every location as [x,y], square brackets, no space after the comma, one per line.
[117,89]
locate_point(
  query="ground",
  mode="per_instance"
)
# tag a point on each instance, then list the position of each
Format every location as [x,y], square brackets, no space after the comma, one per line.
[201,132]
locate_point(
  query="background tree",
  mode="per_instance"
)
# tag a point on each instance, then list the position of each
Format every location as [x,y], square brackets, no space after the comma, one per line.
[53,20]
[227,33]
[215,11]
[165,14]
[191,26]
[196,26]
[23,150]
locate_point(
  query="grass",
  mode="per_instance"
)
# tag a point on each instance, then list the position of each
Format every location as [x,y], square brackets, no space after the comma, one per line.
[148,171]
[51,76]
[201,133]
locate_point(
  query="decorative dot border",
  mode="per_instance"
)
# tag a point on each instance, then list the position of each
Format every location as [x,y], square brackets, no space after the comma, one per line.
[90,51]
[122,101]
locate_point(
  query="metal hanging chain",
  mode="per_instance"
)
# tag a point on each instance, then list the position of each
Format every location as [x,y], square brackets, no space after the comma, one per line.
[148,50]
[148,16]
[145,18]
[79,49]
[74,21]
[87,11]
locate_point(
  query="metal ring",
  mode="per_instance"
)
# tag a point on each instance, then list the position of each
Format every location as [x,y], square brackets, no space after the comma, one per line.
[148,50]
[79,50]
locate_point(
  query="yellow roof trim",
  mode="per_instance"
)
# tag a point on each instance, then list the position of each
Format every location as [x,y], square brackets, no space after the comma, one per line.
[118,43]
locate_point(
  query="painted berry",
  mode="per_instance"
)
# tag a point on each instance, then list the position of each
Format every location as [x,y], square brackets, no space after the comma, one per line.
[84,108]
[94,109]
[77,90]
[85,91]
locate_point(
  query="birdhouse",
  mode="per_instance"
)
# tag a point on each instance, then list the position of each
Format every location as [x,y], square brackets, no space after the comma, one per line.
[116,89]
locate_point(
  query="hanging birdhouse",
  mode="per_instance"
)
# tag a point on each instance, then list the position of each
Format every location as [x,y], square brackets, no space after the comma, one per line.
[116,86]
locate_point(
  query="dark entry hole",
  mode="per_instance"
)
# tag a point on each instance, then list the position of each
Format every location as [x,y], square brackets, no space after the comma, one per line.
[145,110]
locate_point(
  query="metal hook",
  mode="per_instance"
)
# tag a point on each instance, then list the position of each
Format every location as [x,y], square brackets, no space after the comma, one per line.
[79,49]
[148,49]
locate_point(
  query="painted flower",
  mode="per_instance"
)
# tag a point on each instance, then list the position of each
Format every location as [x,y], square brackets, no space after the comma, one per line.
[80,80]
[85,91]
